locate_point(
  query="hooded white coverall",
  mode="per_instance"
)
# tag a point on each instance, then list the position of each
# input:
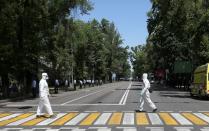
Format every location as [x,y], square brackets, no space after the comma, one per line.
[43,94]
[145,94]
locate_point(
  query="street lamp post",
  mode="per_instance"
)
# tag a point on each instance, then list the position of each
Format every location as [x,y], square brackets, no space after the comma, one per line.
[72,70]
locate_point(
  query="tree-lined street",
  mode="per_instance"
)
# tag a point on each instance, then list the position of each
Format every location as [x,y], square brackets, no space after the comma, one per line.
[92,62]
[112,107]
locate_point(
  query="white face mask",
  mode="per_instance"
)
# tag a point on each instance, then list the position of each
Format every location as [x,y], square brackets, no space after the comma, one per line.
[44,76]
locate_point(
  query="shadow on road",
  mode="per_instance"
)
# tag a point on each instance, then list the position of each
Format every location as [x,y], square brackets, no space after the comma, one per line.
[166,91]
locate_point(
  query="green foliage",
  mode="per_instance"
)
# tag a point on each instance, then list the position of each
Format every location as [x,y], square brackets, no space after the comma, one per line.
[42,35]
[139,60]
[178,31]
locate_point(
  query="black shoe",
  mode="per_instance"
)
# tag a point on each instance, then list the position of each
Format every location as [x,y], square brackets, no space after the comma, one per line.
[140,111]
[154,110]
[38,116]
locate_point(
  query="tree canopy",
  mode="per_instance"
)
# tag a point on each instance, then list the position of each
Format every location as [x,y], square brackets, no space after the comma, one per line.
[42,36]
[178,31]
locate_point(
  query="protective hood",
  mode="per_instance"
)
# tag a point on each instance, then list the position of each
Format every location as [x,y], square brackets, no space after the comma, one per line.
[44,76]
[144,77]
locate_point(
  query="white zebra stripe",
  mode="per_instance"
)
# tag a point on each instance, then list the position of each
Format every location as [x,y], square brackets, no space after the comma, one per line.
[181,119]
[155,128]
[202,116]
[48,121]
[102,120]
[184,128]
[22,121]
[100,128]
[77,119]
[128,119]
[78,130]
[10,116]
[128,128]
[52,130]
[155,119]
[108,129]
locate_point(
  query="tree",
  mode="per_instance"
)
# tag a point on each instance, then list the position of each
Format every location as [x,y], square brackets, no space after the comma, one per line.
[27,30]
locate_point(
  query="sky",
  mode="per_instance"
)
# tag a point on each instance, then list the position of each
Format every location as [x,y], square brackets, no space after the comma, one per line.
[129,17]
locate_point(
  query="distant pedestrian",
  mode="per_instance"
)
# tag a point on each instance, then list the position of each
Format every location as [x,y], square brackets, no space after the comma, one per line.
[84,83]
[56,86]
[44,100]
[66,84]
[1,82]
[145,95]
[34,88]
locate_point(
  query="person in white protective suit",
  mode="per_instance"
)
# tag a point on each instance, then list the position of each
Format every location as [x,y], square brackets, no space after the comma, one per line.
[145,95]
[44,100]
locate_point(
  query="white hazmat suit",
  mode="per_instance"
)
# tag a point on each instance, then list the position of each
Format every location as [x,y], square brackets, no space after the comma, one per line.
[145,94]
[43,94]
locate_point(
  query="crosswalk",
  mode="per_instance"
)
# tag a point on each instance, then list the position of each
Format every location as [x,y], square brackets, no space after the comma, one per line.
[106,119]
[110,129]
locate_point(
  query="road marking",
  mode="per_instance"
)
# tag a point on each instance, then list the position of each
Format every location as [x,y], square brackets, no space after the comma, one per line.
[90,119]
[68,128]
[128,119]
[10,116]
[127,128]
[206,114]
[58,105]
[78,129]
[102,120]
[91,104]
[100,128]
[125,95]
[64,119]
[4,114]
[155,128]
[33,121]
[97,118]
[77,119]
[155,119]
[181,119]
[168,119]
[194,119]
[141,119]
[202,116]
[83,96]
[115,119]
[48,121]
[22,121]
[184,128]
[52,129]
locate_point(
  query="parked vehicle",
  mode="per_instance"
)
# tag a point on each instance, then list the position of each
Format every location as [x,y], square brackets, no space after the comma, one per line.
[200,85]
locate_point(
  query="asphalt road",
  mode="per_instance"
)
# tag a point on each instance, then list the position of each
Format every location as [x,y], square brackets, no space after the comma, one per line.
[111,107]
